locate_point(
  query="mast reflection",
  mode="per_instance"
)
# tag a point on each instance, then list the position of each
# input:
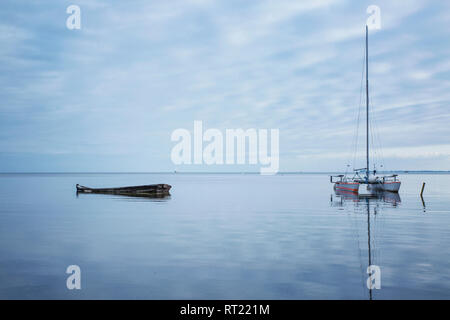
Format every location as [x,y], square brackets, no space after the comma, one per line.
[370,205]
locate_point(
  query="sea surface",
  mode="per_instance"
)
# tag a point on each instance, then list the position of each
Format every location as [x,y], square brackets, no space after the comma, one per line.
[222,236]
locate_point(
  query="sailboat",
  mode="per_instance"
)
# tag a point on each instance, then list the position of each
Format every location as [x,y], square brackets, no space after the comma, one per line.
[364,176]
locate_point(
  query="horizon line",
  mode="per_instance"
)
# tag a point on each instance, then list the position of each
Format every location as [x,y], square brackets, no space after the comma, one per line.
[210,172]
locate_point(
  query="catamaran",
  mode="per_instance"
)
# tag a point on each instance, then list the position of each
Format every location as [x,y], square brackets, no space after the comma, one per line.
[364,176]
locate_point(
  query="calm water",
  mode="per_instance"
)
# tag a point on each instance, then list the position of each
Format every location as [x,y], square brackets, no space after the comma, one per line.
[221,236]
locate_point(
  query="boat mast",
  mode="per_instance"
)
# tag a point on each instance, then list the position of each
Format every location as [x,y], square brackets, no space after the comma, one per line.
[367,104]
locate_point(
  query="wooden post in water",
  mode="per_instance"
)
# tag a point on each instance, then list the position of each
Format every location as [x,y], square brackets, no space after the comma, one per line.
[421,196]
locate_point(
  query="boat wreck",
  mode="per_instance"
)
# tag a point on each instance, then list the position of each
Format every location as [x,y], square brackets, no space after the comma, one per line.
[151,190]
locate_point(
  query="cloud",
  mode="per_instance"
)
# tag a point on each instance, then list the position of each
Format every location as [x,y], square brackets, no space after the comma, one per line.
[138,70]
[424,151]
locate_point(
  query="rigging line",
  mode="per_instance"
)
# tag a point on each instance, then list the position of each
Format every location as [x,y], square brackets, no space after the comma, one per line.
[382,227]
[378,136]
[374,152]
[373,134]
[380,148]
[356,215]
[373,131]
[353,216]
[355,144]
[379,236]
[376,133]
[374,148]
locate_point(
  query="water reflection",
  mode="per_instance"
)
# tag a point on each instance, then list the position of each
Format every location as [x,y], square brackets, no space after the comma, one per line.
[371,205]
[423,204]
[129,197]
[340,198]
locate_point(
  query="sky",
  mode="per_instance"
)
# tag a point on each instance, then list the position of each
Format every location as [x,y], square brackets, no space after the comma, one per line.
[108,96]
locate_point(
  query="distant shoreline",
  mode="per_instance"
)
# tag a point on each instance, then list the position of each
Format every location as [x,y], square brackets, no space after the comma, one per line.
[256,173]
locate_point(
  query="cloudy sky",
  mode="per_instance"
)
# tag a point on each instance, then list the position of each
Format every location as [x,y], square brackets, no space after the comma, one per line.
[108,96]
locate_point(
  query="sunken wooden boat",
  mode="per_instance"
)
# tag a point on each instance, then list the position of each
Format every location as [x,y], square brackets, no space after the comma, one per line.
[151,190]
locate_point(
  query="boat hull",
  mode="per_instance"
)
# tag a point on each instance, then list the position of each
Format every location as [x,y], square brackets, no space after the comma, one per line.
[352,187]
[391,186]
[146,190]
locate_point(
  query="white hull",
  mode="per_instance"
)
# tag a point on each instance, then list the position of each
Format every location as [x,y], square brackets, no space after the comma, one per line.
[393,186]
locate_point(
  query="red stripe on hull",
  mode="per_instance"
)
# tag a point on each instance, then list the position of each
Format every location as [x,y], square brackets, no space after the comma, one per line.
[355,190]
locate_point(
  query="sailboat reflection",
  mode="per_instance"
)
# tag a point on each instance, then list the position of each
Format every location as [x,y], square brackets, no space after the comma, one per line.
[378,197]
[370,205]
